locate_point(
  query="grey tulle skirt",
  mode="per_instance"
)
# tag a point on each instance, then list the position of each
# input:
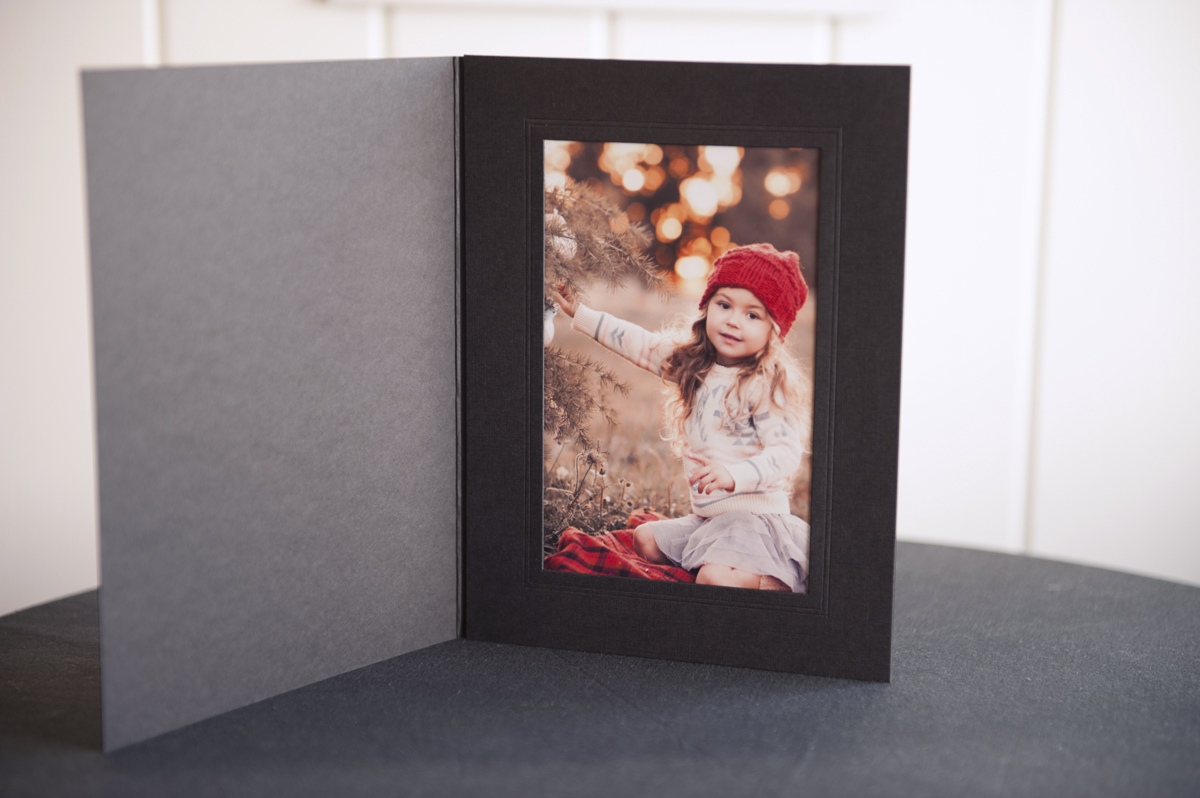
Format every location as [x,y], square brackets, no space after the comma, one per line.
[769,544]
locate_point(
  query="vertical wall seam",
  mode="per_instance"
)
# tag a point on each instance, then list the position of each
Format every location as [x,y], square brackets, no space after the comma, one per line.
[822,39]
[1048,47]
[152,33]
[602,33]
[377,30]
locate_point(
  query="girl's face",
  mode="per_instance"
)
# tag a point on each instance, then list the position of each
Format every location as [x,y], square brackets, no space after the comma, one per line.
[738,325]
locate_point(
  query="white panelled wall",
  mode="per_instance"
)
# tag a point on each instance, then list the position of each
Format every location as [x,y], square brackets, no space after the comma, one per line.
[47,472]
[1118,411]
[1051,352]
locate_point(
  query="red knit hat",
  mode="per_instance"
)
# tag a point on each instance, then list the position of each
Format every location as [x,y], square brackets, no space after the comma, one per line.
[772,276]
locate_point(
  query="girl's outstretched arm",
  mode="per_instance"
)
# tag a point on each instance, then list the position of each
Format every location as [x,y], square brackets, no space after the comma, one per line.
[639,346]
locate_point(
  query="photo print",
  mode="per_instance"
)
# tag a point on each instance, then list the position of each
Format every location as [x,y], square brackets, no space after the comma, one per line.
[679,339]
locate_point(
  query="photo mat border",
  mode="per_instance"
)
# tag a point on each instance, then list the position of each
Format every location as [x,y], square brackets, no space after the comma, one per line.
[826,141]
[501,322]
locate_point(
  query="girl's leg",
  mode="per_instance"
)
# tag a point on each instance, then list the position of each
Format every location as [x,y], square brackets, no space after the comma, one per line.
[647,548]
[724,576]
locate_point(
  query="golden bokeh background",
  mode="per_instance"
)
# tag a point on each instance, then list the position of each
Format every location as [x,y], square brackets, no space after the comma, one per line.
[699,201]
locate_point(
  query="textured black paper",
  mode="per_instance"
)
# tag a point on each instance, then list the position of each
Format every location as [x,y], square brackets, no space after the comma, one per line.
[274,282]
[858,116]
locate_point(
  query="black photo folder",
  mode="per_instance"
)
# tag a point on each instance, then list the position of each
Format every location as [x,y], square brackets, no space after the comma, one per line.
[317,314]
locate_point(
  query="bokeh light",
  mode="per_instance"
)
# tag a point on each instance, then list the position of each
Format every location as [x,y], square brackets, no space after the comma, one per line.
[777,183]
[722,160]
[701,197]
[691,267]
[633,179]
[699,201]
[782,182]
[669,229]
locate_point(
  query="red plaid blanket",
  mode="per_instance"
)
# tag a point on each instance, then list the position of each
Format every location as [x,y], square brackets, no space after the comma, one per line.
[612,554]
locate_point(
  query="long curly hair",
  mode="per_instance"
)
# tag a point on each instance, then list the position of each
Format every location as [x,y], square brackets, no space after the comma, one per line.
[771,378]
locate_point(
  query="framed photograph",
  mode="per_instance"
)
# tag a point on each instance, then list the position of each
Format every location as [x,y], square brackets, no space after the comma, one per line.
[612,212]
[656,235]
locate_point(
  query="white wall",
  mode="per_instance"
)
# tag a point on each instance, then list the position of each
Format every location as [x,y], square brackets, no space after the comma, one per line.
[1049,252]
[1118,416]
[47,502]
[974,156]
[232,31]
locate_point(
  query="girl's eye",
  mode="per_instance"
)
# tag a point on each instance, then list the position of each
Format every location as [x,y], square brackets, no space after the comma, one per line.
[723,305]
[753,315]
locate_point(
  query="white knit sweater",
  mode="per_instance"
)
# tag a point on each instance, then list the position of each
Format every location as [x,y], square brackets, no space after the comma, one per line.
[761,453]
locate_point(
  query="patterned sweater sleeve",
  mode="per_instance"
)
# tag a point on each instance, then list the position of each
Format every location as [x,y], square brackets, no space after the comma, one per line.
[637,345]
[780,457]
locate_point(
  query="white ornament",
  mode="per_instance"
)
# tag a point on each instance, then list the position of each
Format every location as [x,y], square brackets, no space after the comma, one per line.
[548,326]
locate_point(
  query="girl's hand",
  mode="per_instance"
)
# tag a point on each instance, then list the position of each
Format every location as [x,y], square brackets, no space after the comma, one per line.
[568,301]
[710,476]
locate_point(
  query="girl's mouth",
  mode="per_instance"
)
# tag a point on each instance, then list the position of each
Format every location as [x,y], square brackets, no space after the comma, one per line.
[731,339]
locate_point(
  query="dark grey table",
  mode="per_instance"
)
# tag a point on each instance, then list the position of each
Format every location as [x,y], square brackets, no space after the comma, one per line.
[1011,676]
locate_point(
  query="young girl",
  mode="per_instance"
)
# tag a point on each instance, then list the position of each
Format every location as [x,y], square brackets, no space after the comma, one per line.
[738,416]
